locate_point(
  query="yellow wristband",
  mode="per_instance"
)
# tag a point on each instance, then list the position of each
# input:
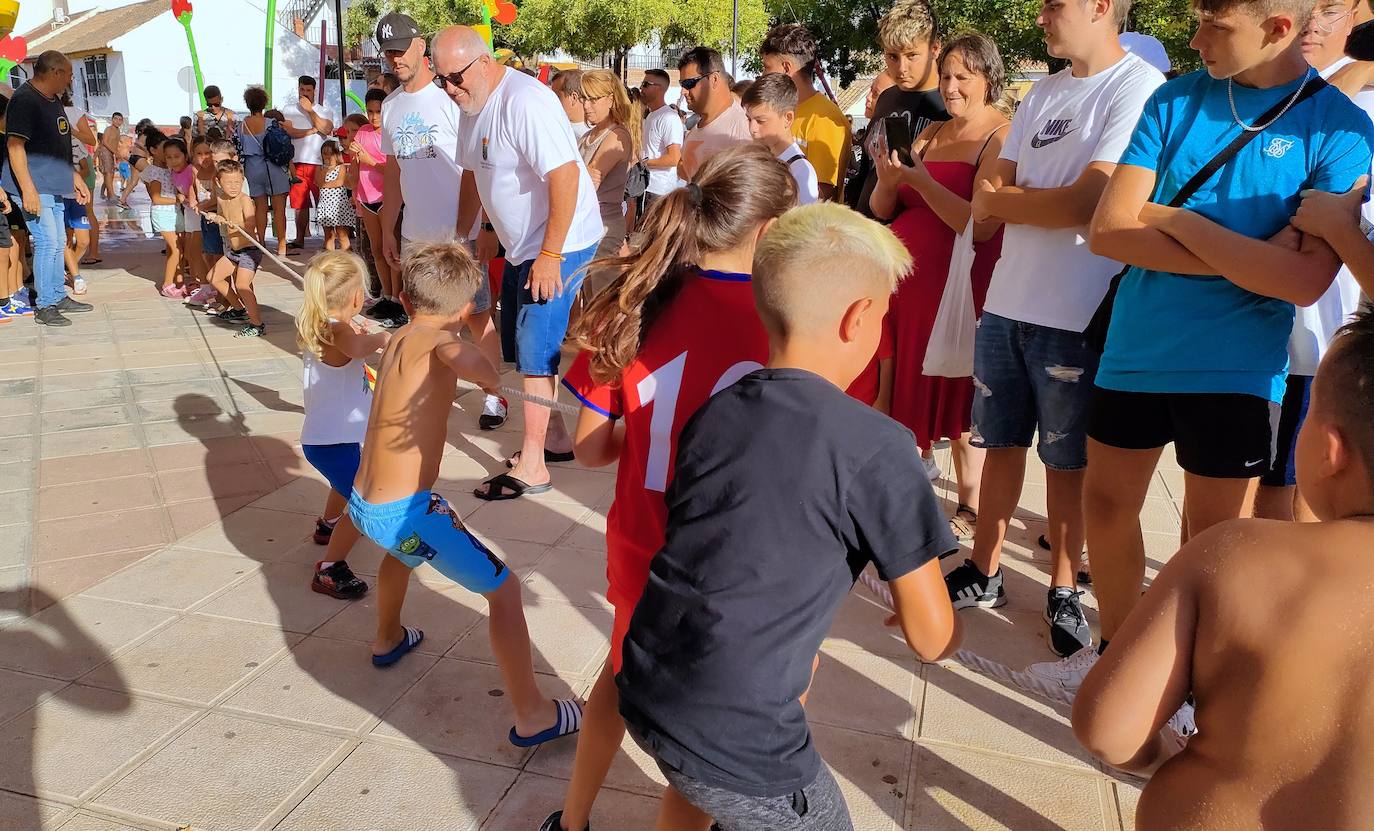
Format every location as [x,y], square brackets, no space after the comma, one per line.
[547,253]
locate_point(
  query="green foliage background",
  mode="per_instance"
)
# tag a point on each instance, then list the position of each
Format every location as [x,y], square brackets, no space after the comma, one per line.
[846,29]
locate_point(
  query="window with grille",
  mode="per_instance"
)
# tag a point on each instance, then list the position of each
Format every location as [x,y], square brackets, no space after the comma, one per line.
[97,76]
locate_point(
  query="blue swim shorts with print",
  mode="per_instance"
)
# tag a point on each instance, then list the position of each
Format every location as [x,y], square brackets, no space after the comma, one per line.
[1027,378]
[423,529]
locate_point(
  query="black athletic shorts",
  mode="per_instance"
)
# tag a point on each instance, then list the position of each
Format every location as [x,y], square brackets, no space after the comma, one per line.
[1221,435]
[15,218]
[1284,472]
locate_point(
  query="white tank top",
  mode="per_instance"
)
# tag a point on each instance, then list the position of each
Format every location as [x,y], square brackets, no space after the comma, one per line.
[337,402]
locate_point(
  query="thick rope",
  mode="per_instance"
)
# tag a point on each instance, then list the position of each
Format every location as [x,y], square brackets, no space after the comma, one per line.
[976,662]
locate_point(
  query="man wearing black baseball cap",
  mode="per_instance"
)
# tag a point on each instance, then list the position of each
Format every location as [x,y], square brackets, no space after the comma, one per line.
[396,31]
[420,135]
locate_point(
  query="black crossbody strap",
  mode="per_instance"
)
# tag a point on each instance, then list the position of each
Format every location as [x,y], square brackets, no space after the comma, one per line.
[1246,136]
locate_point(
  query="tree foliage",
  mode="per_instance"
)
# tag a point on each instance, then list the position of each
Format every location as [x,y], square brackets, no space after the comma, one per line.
[847,30]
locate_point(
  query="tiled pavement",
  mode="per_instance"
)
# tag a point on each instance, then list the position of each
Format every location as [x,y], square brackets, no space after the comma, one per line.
[163,663]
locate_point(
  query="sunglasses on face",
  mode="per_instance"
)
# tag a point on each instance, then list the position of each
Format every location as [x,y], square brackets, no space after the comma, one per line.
[454,78]
[689,83]
[647,84]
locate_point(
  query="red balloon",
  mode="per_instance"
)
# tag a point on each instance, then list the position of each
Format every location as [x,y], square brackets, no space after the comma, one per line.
[180,7]
[505,13]
[14,49]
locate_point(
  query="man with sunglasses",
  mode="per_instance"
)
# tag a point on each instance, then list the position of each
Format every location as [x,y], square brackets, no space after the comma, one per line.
[663,135]
[721,120]
[422,175]
[525,177]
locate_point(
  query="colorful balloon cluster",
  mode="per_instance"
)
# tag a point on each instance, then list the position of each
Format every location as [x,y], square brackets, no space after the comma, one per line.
[501,11]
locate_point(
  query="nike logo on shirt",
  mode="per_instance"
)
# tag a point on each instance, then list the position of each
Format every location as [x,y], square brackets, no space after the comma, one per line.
[1054,130]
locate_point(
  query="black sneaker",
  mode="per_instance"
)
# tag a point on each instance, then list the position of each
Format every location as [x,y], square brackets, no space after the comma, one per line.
[970,587]
[1068,626]
[396,321]
[323,531]
[234,315]
[50,316]
[69,305]
[252,331]
[555,823]
[338,581]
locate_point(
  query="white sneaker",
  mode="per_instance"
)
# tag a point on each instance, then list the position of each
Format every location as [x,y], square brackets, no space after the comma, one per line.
[932,468]
[1184,722]
[78,286]
[494,412]
[1069,672]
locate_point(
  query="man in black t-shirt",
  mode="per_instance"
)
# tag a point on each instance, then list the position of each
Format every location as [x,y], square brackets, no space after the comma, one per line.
[39,174]
[785,489]
[909,35]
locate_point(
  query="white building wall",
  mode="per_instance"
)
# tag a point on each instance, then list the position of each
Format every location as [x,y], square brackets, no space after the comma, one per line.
[156,63]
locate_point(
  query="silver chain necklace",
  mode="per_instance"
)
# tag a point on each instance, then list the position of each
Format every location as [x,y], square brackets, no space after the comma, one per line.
[1231,94]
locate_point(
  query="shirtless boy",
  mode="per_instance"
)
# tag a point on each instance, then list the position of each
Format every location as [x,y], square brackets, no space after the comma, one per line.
[392,502]
[232,276]
[1241,618]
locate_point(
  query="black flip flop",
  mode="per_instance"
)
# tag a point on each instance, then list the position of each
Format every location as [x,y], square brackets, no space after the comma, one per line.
[503,487]
[550,457]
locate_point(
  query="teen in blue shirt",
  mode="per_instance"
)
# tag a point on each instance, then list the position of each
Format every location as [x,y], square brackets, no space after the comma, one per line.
[1196,354]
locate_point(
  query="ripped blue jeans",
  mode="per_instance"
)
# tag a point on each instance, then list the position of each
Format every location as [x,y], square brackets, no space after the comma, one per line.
[1031,379]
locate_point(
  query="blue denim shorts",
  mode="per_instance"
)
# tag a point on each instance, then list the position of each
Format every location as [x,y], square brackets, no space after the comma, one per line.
[75,214]
[422,528]
[532,332]
[338,463]
[1030,378]
[211,240]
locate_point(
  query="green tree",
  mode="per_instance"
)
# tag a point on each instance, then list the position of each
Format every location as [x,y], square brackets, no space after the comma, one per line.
[847,30]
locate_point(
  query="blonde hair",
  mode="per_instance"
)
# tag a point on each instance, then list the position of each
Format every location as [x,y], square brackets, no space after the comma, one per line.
[599,83]
[735,192]
[817,260]
[908,23]
[440,278]
[331,281]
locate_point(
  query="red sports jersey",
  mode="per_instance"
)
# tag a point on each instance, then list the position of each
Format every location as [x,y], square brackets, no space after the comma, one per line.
[708,338]
[865,387]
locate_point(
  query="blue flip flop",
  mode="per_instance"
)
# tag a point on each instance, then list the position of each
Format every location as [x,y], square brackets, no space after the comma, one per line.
[569,722]
[409,642]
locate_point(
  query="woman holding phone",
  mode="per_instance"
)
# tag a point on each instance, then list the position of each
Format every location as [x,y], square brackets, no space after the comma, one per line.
[928,202]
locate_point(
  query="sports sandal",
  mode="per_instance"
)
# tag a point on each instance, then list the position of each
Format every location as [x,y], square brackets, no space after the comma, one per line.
[963,523]
[569,722]
[411,640]
[550,457]
[503,486]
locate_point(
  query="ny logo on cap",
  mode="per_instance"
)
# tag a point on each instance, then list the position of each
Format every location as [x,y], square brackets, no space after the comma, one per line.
[386,30]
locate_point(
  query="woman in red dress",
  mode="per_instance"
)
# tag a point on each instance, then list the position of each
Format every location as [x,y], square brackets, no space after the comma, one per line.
[929,203]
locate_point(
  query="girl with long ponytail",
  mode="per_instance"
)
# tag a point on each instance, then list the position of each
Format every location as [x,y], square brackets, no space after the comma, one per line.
[675,326]
[338,400]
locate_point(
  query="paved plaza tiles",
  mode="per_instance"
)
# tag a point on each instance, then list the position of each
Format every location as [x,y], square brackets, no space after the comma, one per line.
[163,662]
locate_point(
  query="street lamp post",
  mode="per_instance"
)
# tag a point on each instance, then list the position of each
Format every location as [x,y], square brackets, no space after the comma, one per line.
[343,84]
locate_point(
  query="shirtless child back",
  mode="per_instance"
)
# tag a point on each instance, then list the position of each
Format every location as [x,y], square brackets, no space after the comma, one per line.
[393,503]
[1254,618]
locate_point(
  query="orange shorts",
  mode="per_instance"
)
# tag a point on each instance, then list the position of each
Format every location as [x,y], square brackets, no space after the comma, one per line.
[305,188]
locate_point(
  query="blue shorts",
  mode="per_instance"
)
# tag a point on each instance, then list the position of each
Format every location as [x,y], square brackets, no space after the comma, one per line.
[211,240]
[337,462]
[76,215]
[532,332]
[1028,377]
[423,529]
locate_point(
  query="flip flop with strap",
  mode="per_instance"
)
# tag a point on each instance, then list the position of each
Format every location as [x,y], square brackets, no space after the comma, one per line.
[550,457]
[503,487]
[569,722]
[411,640]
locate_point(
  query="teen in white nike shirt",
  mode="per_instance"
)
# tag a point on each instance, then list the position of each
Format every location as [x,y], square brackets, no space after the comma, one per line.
[1032,372]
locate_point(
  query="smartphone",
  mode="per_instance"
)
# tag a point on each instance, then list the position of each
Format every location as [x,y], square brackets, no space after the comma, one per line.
[899,137]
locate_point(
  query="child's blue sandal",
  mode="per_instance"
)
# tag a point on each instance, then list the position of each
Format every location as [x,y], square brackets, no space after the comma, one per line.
[411,640]
[569,722]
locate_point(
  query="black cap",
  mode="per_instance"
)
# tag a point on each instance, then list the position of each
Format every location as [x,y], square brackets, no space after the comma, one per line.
[396,31]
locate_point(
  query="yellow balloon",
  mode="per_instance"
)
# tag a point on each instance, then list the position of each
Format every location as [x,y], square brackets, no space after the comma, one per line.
[9,14]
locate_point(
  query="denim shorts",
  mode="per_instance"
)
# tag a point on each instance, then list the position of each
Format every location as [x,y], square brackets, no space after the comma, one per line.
[338,463]
[1030,379]
[167,219]
[211,240]
[422,528]
[532,332]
